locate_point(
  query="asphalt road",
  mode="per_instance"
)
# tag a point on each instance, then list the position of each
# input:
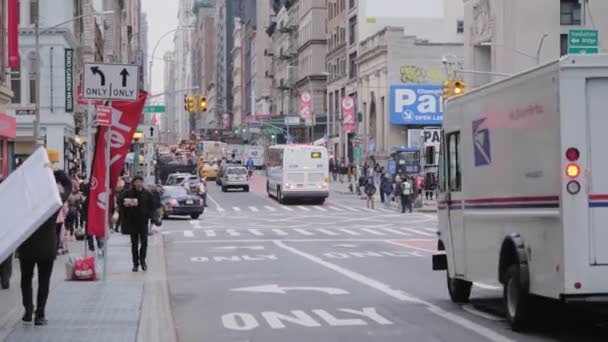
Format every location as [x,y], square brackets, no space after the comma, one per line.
[251,269]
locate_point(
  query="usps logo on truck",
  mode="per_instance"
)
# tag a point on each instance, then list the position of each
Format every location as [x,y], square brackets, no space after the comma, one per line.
[481,143]
[416,104]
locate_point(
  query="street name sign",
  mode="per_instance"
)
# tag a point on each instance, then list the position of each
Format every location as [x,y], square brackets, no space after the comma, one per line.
[155,109]
[110,81]
[583,42]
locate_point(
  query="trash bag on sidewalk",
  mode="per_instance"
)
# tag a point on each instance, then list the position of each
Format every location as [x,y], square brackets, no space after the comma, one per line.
[81,269]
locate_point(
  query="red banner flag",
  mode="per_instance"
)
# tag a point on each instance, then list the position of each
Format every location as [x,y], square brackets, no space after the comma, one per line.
[125,118]
[349,123]
[13,33]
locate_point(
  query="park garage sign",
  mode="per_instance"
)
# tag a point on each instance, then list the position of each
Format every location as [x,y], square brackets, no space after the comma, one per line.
[416,104]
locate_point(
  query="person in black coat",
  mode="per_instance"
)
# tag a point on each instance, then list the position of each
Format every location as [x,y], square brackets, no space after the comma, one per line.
[138,207]
[40,250]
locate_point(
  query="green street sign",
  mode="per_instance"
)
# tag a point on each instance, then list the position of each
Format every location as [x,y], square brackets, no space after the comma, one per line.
[155,109]
[583,42]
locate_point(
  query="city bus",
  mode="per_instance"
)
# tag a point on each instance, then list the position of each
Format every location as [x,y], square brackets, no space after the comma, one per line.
[297,172]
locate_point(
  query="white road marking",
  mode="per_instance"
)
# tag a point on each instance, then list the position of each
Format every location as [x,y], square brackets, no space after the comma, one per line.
[210,233]
[348,208]
[301,207]
[432,230]
[195,222]
[487,286]
[371,231]
[400,295]
[336,209]
[236,208]
[416,231]
[325,231]
[387,210]
[269,208]
[232,248]
[276,289]
[286,208]
[395,231]
[218,207]
[303,232]
[188,234]
[348,231]
[232,232]
[319,208]
[471,309]
[279,232]
[255,232]
[405,245]
[298,240]
[369,210]
[254,209]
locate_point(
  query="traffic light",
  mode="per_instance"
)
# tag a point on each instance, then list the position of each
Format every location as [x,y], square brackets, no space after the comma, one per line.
[458,88]
[447,89]
[202,103]
[191,104]
[186,103]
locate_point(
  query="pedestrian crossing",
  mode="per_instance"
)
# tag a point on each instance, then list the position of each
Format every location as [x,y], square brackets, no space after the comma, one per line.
[299,208]
[200,232]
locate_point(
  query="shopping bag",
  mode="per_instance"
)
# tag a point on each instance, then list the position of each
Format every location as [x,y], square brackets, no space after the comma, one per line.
[84,269]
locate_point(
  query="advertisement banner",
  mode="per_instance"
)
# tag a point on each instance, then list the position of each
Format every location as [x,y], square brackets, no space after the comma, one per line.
[69,80]
[349,119]
[306,106]
[13,34]
[416,104]
[125,117]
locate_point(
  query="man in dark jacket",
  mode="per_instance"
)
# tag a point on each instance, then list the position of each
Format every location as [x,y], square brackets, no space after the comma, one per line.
[138,209]
[40,250]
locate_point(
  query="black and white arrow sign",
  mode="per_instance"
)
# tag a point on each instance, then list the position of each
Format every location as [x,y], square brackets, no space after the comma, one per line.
[124,73]
[102,76]
[110,81]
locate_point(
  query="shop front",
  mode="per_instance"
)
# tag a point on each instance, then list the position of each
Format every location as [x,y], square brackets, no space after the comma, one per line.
[8,132]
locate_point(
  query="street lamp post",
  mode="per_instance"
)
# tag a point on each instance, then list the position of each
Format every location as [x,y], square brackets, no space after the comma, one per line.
[37,34]
[538,51]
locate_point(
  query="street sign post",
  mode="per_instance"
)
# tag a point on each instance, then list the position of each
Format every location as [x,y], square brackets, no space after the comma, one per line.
[583,42]
[110,81]
[155,109]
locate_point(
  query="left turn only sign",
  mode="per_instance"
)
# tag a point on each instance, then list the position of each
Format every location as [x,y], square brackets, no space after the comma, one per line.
[110,81]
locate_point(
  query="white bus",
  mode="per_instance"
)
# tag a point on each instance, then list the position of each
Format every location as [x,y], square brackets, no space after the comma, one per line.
[298,172]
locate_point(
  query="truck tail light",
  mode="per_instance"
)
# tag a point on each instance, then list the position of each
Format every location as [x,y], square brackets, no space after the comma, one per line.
[573,170]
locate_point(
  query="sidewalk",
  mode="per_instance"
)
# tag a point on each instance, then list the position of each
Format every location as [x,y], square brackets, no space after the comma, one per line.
[126,307]
[341,192]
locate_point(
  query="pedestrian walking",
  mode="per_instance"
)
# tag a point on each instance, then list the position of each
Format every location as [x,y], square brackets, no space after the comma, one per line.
[138,210]
[406,195]
[370,191]
[6,269]
[387,190]
[381,187]
[40,250]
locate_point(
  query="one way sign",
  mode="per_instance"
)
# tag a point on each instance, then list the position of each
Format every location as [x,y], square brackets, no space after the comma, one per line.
[110,81]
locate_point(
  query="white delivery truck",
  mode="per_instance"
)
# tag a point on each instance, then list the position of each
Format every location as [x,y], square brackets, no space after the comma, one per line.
[256,153]
[524,187]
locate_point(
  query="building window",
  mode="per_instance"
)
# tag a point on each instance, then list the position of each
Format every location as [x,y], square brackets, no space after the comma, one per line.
[460,26]
[351,4]
[352,72]
[352,25]
[563,44]
[16,85]
[342,35]
[33,12]
[570,12]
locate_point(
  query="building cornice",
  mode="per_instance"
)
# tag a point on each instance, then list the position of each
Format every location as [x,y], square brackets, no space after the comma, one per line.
[312,42]
[66,33]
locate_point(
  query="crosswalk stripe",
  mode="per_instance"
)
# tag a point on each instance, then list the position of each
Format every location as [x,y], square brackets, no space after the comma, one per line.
[395,231]
[336,209]
[195,222]
[416,231]
[279,232]
[220,209]
[325,231]
[386,210]
[269,208]
[432,230]
[301,207]
[254,209]
[348,231]
[188,234]
[286,208]
[349,208]
[371,231]
[319,208]
[303,232]
[232,232]
[368,209]
[256,232]
[210,233]
[236,208]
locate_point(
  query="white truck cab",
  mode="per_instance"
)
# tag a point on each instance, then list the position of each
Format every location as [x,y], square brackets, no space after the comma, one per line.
[523,197]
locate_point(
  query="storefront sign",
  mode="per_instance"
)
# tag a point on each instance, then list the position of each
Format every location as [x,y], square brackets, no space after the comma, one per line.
[8,126]
[349,122]
[20,112]
[69,80]
[416,104]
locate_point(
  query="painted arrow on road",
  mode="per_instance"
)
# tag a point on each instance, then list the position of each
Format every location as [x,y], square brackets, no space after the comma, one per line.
[232,248]
[274,288]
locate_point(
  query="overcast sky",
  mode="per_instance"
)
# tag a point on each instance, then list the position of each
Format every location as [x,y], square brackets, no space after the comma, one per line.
[162,17]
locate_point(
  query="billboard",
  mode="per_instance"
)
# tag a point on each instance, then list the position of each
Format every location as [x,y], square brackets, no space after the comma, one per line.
[416,104]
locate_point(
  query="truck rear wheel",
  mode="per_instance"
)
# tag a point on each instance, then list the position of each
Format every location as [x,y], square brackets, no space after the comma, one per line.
[460,290]
[517,300]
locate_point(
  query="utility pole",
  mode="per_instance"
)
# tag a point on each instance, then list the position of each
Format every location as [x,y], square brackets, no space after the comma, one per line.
[37,139]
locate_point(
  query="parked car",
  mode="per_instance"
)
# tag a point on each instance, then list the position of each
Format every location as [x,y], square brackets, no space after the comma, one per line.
[222,171]
[235,177]
[176,200]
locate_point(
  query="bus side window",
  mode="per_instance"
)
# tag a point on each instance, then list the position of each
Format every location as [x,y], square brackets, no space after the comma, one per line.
[453,162]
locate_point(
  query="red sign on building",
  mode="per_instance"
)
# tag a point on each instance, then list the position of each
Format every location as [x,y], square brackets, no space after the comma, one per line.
[104,116]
